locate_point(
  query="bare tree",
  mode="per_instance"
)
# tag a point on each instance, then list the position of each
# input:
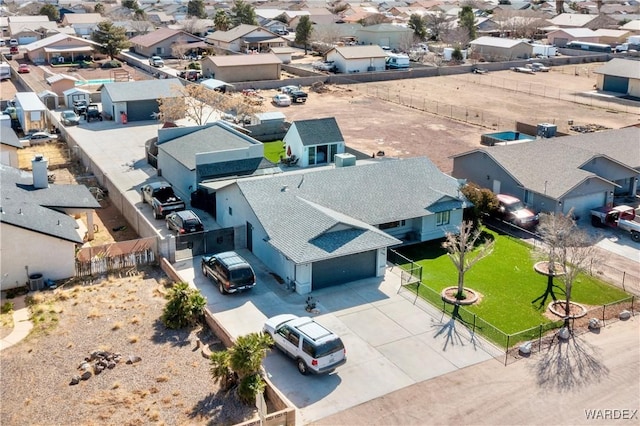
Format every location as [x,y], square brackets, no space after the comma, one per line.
[193,101]
[193,25]
[329,34]
[456,37]
[568,249]
[437,24]
[514,23]
[243,107]
[462,251]
[142,27]
[179,48]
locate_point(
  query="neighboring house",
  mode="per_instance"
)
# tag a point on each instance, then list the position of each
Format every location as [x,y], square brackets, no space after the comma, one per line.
[39,235]
[620,76]
[189,156]
[236,68]
[61,82]
[9,143]
[161,42]
[330,226]
[612,37]
[138,100]
[393,36]
[82,23]
[245,38]
[60,47]
[497,49]
[314,142]
[160,18]
[31,112]
[561,37]
[632,26]
[559,174]
[283,53]
[135,28]
[317,16]
[350,59]
[573,20]
[28,32]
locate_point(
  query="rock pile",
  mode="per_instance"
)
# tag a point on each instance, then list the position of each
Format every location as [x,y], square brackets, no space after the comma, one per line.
[99,361]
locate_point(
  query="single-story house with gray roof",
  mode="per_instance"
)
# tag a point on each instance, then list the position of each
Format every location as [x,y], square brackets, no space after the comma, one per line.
[244,38]
[38,215]
[559,174]
[328,226]
[348,59]
[619,76]
[498,49]
[137,99]
[161,42]
[188,156]
[314,142]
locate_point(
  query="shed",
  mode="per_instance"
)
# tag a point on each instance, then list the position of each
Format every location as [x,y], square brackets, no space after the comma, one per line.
[496,48]
[49,98]
[350,59]
[61,82]
[314,142]
[283,53]
[31,112]
[137,99]
[75,94]
[619,76]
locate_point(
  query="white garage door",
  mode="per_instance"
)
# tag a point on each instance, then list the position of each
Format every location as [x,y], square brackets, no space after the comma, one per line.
[581,205]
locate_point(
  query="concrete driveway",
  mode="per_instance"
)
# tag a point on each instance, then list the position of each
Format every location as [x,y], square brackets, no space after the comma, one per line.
[391,342]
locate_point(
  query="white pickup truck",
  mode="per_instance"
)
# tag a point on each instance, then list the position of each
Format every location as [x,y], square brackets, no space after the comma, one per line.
[620,217]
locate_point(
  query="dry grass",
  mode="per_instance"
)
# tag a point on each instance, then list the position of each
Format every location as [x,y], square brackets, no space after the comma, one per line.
[170,385]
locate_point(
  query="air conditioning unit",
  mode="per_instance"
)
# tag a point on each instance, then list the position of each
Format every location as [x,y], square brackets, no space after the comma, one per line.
[546,130]
[345,160]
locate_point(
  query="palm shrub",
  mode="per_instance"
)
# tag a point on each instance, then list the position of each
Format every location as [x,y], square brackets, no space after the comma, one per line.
[184,308]
[241,365]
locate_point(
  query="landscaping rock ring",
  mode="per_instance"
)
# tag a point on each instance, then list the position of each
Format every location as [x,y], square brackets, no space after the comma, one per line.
[576,309]
[449,296]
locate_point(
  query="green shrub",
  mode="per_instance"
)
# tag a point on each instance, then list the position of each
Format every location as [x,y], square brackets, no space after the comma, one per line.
[184,308]
[194,66]
[111,64]
[6,308]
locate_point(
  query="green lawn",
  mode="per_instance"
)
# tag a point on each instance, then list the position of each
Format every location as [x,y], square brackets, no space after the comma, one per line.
[273,151]
[507,282]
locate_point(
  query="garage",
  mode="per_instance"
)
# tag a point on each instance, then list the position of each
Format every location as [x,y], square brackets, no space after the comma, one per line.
[340,270]
[141,110]
[615,84]
[582,204]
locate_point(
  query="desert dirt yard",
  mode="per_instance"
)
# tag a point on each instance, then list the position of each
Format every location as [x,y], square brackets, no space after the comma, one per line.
[412,117]
[168,383]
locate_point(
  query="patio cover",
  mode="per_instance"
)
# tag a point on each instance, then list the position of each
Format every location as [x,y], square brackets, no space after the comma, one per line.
[212,83]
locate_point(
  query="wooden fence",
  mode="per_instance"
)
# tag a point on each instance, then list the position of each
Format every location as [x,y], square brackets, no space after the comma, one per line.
[116,256]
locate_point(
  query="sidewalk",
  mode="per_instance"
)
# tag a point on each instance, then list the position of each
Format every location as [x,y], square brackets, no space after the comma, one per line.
[21,324]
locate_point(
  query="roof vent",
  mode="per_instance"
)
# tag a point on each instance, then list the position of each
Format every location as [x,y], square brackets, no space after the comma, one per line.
[284,188]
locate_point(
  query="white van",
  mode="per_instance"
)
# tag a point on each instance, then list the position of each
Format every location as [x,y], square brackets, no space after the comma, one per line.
[396,62]
[5,71]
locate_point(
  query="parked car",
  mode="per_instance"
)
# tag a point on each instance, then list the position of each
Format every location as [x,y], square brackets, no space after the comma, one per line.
[156,61]
[315,349]
[38,138]
[69,118]
[229,271]
[13,42]
[538,67]
[184,222]
[619,217]
[324,66]
[24,69]
[298,96]
[161,198]
[282,100]
[13,50]
[512,210]
[2,42]
[288,89]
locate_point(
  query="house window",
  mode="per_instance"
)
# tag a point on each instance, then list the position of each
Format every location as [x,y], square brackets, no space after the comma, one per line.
[443,218]
[230,211]
[389,225]
[333,150]
[528,197]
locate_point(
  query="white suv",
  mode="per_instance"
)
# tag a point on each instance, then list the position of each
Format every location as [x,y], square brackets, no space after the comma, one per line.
[315,349]
[156,61]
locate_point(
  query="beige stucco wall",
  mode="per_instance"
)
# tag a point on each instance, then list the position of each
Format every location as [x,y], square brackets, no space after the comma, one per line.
[245,72]
[9,155]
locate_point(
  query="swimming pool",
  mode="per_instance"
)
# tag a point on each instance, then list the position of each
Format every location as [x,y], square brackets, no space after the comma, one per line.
[93,82]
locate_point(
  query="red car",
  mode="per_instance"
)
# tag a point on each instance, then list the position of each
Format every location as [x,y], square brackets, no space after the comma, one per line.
[23,69]
[13,50]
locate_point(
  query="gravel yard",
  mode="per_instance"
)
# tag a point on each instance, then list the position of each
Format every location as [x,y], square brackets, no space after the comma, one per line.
[171,383]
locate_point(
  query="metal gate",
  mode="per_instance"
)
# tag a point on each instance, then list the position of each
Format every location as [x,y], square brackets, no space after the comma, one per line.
[208,242]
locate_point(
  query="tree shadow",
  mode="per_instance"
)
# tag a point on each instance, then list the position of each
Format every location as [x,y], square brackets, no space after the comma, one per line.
[568,364]
[549,292]
[221,407]
[451,334]
[162,335]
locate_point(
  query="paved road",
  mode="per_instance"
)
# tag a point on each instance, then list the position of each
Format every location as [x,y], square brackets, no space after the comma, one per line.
[593,372]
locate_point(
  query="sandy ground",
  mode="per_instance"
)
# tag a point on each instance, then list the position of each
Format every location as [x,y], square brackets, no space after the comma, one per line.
[557,386]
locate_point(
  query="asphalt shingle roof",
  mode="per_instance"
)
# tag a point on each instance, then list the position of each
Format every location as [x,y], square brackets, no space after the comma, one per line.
[319,214]
[142,90]
[24,206]
[319,131]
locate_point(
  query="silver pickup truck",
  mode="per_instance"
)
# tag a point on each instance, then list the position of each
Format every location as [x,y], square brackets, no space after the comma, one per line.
[620,217]
[161,198]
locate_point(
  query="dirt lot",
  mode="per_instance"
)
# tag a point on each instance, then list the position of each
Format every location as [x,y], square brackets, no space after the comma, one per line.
[171,384]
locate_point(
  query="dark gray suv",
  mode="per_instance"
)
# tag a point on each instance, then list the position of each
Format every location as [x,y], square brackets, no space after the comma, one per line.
[184,222]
